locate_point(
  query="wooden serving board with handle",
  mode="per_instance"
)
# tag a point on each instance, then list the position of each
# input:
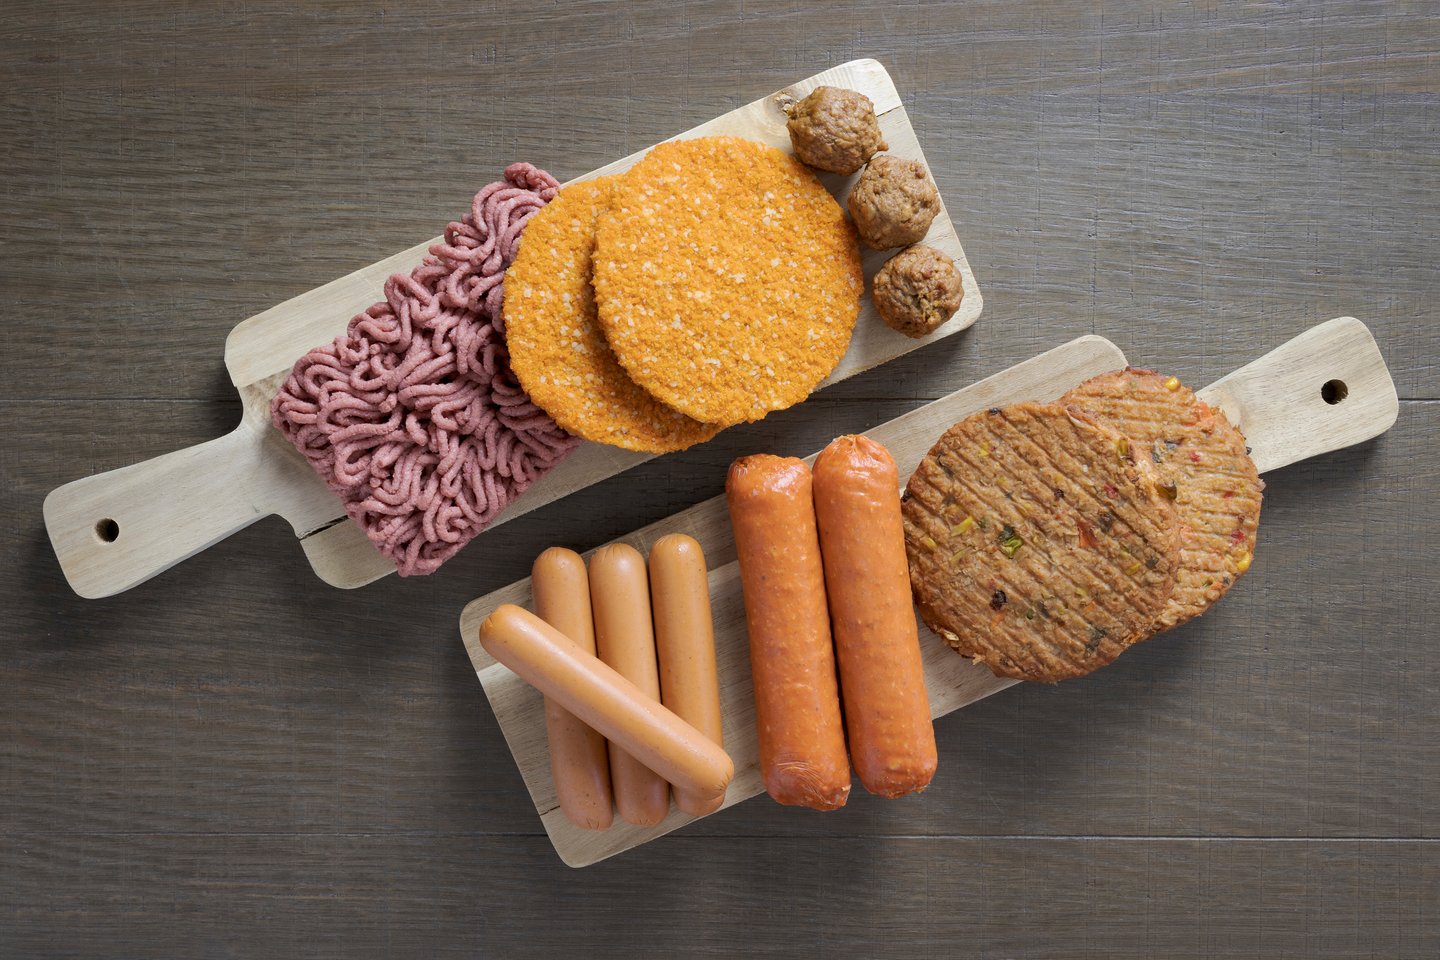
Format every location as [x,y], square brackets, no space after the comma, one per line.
[114,530]
[1281,402]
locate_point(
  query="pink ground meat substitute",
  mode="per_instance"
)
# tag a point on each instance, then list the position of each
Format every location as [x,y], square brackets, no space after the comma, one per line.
[413,417]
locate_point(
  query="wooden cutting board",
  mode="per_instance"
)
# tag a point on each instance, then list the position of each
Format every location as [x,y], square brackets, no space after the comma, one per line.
[114,530]
[1282,402]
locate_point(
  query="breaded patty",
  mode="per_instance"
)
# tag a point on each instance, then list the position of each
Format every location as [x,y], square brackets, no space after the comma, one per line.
[1035,544]
[1202,460]
[556,346]
[727,277]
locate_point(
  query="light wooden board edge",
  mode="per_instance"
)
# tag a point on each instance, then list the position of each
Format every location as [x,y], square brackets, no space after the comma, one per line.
[952,681]
[211,491]
[217,488]
[267,344]
[260,351]
[1277,400]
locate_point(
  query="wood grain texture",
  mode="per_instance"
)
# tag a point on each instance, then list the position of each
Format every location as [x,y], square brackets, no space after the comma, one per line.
[952,682]
[110,534]
[1276,399]
[1222,899]
[233,761]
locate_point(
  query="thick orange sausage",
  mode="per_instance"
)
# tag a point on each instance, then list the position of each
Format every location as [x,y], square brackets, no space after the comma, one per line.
[882,679]
[625,639]
[685,643]
[797,706]
[578,763]
[595,693]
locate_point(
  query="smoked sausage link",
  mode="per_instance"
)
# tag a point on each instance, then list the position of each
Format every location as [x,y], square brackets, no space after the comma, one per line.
[797,705]
[882,678]
[625,639]
[685,644]
[594,692]
[578,764]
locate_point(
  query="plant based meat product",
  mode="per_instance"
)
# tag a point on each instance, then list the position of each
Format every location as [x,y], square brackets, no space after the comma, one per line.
[835,129]
[893,202]
[917,290]
[1036,545]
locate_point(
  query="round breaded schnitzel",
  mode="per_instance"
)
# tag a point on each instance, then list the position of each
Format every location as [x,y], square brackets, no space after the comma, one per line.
[727,277]
[1035,544]
[1203,462]
[556,346]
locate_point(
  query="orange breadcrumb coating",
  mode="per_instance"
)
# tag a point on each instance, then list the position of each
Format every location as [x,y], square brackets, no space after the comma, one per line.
[556,346]
[728,278]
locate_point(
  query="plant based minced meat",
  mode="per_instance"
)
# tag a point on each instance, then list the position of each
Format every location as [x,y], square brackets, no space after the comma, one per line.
[1036,544]
[835,129]
[893,203]
[917,290]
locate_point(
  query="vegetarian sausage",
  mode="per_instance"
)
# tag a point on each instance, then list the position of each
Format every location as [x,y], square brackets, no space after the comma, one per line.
[867,578]
[625,639]
[797,706]
[605,700]
[578,764]
[685,643]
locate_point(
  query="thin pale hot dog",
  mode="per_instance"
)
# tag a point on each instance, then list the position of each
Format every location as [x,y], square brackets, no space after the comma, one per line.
[594,692]
[867,577]
[797,705]
[578,764]
[625,639]
[685,645]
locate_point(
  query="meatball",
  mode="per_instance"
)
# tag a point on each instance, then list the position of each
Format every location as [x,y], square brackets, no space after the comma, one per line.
[893,203]
[917,290]
[834,129]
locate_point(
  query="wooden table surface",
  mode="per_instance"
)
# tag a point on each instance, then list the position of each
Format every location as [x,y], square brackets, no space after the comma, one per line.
[236,760]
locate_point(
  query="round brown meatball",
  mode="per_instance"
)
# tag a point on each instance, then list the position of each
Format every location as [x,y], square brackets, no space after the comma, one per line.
[893,203]
[917,290]
[835,129]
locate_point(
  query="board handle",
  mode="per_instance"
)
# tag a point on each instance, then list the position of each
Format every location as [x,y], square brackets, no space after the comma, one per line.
[1325,390]
[114,530]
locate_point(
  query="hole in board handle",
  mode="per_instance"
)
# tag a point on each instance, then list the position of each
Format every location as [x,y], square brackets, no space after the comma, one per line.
[107,530]
[1334,391]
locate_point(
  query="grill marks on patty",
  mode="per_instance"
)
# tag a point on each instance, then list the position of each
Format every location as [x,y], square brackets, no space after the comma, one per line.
[1202,458]
[1035,545]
